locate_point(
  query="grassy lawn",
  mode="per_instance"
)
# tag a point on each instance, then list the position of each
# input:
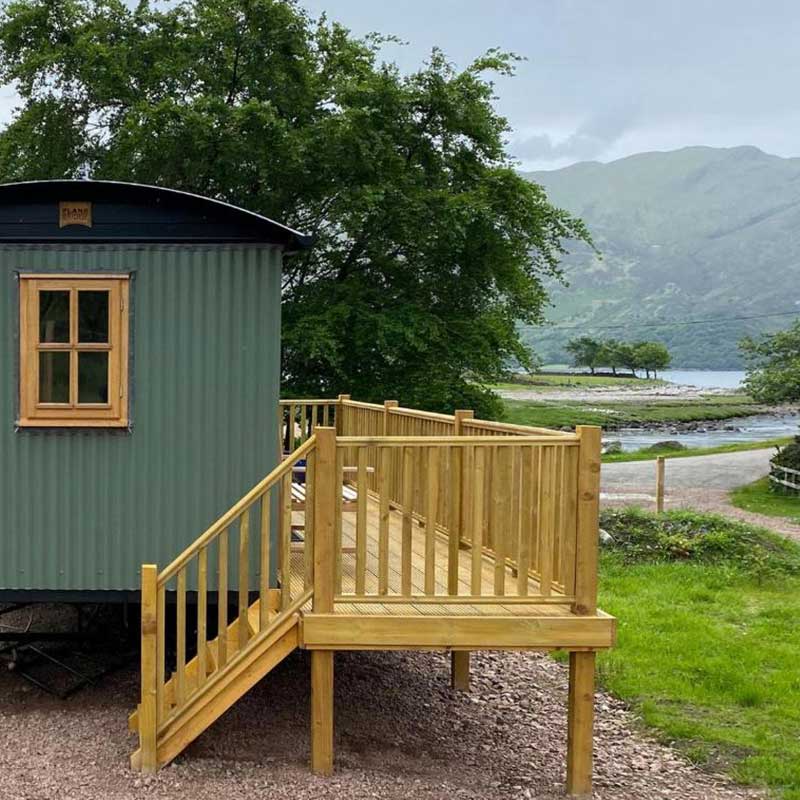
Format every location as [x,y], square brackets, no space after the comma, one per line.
[651,452]
[758,498]
[545,381]
[709,644]
[611,415]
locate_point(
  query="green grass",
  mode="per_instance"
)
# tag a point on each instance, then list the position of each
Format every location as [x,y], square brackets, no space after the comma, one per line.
[647,454]
[708,641]
[615,415]
[545,382]
[758,498]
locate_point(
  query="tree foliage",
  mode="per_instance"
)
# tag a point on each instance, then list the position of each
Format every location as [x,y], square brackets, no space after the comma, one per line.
[613,354]
[429,247]
[773,366]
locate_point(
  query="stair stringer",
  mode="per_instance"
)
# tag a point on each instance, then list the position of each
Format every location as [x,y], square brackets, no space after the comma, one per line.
[246,669]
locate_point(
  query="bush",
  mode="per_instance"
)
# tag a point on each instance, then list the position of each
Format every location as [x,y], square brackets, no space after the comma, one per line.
[639,536]
[789,455]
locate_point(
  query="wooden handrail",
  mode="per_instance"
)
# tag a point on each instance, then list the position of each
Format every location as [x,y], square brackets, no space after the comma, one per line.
[234,511]
[565,439]
[506,427]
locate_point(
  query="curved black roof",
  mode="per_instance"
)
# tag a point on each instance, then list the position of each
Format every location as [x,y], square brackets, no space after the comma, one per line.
[133,212]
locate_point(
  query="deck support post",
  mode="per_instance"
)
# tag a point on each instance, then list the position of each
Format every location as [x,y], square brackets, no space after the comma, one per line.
[581,665]
[322,712]
[459,670]
[326,495]
[148,710]
[579,724]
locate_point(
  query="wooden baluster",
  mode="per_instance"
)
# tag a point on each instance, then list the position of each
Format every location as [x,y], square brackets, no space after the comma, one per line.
[303,408]
[432,503]
[285,541]
[408,502]
[570,489]
[361,520]
[547,520]
[290,429]
[308,523]
[222,599]
[501,514]
[560,497]
[148,709]
[527,488]
[244,577]
[325,415]
[337,519]
[180,639]
[202,615]
[161,650]
[264,562]
[478,496]
[384,490]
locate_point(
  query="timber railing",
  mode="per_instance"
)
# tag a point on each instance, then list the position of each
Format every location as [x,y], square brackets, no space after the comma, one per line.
[785,479]
[236,561]
[448,509]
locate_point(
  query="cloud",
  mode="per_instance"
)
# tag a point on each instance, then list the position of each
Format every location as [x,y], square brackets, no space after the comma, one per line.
[591,140]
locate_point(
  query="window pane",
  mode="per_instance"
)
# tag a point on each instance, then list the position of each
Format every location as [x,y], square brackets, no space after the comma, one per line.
[54,316]
[54,377]
[93,316]
[93,377]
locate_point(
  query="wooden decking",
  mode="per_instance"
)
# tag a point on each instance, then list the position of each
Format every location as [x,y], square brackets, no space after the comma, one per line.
[393,620]
[387,528]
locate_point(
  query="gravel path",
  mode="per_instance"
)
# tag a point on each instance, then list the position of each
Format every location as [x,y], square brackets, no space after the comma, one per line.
[701,483]
[400,733]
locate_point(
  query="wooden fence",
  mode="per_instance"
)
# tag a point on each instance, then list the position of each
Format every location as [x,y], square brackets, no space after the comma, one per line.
[784,479]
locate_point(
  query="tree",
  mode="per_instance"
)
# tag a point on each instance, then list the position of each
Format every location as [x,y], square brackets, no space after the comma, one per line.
[611,355]
[584,351]
[773,366]
[651,357]
[429,247]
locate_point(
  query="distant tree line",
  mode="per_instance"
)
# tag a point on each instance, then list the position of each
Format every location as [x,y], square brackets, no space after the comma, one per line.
[612,354]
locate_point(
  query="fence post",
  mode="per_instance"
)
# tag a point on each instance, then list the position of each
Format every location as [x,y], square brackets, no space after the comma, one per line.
[580,712]
[326,495]
[340,406]
[457,502]
[660,462]
[387,404]
[148,711]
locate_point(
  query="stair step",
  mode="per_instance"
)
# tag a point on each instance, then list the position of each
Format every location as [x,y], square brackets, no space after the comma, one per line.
[192,666]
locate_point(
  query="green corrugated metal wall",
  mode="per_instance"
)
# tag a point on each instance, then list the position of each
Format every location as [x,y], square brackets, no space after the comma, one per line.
[82,510]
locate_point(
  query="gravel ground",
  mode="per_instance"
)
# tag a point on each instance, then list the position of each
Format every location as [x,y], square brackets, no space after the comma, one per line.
[400,732]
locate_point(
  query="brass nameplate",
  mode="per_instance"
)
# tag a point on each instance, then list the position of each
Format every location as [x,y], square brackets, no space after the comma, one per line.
[74,213]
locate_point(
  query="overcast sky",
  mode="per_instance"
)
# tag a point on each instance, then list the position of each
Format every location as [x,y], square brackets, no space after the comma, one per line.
[608,78]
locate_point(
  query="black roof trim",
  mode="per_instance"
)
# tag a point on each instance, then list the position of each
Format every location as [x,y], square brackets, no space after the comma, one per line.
[258,227]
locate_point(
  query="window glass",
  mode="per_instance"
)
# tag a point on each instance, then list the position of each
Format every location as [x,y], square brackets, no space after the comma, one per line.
[54,377]
[93,377]
[54,316]
[92,316]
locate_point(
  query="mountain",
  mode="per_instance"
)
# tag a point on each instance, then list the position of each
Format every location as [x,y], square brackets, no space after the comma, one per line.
[699,233]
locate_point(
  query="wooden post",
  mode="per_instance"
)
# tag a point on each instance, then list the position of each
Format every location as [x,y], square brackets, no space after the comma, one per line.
[322,712]
[340,413]
[387,404]
[148,711]
[581,665]
[579,724]
[587,531]
[457,502]
[459,670]
[660,462]
[325,500]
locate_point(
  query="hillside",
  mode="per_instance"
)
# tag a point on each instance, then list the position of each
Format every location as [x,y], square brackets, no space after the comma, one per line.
[693,234]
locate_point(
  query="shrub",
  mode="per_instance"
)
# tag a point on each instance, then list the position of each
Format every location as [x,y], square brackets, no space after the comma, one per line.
[639,536]
[789,455]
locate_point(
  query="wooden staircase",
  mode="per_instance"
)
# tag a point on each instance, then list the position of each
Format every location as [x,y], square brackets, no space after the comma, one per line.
[250,658]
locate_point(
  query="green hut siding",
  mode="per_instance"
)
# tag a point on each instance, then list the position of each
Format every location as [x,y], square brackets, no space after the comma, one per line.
[82,510]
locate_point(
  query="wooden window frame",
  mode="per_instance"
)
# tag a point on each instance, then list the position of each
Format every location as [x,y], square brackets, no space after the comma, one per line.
[114,413]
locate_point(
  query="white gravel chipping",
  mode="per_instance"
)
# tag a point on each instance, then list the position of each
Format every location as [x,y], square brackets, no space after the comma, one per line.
[401,732]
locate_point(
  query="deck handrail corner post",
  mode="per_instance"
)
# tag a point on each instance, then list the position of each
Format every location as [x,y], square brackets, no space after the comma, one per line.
[588,519]
[341,401]
[325,498]
[148,713]
[387,406]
